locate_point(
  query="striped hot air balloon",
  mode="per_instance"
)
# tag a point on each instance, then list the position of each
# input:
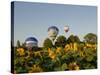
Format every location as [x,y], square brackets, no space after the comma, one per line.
[31,42]
[53,32]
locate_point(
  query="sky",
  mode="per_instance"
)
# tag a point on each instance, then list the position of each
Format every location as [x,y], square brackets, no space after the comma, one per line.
[33,19]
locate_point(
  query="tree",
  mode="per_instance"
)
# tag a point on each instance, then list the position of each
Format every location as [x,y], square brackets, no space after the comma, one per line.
[18,44]
[90,38]
[47,43]
[72,39]
[23,45]
[76,39]
[61,41]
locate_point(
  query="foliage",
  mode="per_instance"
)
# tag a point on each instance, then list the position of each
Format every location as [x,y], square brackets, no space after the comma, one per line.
[90,38]
[18,44]
[61,41]
[72,56]
[47,43]
[54,59]
[73,38]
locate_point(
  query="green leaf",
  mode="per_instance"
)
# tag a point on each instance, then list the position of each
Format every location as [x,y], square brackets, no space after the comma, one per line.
[64,66]
[89,58]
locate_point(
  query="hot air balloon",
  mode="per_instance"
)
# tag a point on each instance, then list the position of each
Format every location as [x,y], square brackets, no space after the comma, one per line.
[53,32]
[31,42]
[66,28]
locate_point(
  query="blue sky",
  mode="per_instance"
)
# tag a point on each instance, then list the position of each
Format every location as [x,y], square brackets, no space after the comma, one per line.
[33,19]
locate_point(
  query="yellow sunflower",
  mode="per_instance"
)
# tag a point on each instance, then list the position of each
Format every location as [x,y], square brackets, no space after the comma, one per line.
[58,50]
[21,51]
[35,68]
[73,66]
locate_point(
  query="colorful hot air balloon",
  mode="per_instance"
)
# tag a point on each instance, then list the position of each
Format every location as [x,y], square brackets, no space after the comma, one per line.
[66,28]
[31,42]
[53,32]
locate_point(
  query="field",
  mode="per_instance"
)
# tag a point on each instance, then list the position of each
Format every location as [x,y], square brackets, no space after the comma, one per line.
[63,56]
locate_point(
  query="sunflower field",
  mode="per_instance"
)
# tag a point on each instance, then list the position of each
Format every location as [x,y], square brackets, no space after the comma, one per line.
[70,55]
[73,56]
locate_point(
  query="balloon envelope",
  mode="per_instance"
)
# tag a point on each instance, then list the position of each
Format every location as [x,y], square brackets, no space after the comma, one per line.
[53,32]
[31,42]
[66,28]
